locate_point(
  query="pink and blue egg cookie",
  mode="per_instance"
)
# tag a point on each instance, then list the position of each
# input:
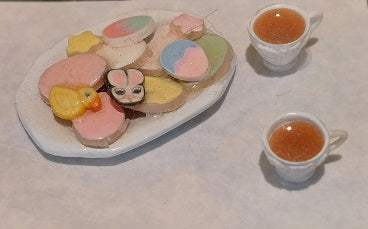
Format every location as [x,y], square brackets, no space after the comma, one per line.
[185,60]
[128,31]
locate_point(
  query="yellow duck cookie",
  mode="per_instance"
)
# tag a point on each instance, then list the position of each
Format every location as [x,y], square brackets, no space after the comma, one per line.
[82,43]
[67,103]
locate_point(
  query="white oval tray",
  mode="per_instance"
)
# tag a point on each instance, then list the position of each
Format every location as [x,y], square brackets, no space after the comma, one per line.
[58,139]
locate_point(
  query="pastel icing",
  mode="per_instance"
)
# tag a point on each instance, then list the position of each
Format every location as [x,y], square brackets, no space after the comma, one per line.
[126,88]
[162,37]
[84,70]
[103,127]
[185,60]
[163,94]
[68,103]
[188,23]
[128,31]
[123,57]
[82,43]
[161,90]
[216,49]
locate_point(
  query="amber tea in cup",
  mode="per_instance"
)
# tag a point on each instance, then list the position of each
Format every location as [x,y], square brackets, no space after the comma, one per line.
[279,26]
[296,141]
[279,32]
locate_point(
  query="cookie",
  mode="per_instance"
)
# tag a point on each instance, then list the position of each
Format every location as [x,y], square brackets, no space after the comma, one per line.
[188,27]
[126,88]
[185,60]
[102,128]
[74,72]
[82,43]
[219,53]
[131,56]
[163,94]
[128,31]
[67,103]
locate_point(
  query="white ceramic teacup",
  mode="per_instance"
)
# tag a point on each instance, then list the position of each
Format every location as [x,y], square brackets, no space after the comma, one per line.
[282,57]
[301,171]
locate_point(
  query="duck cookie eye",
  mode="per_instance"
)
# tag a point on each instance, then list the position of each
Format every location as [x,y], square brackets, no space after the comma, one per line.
[126,88]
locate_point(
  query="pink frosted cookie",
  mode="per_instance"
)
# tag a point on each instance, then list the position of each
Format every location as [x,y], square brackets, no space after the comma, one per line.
[85,70]
[128,31]
[188,27]
[162,37]
[185,60]
[100,129]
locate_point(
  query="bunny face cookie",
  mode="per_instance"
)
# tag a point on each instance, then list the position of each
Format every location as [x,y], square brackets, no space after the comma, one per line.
[126,88]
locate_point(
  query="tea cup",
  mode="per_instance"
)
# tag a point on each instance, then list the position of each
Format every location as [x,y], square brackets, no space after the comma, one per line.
[301,171]
[282,57]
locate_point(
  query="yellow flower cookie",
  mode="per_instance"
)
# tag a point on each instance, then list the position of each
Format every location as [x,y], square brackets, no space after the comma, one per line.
[82,43]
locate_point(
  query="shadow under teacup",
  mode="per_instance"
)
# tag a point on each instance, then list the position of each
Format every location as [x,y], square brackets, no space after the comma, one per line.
[277,56]
[288,168]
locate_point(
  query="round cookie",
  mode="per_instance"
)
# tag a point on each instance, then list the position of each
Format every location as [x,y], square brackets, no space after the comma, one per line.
[128,31]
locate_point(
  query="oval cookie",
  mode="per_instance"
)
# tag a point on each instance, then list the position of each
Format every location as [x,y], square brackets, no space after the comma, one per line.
[85,70]
[185,60]
[219,53]
[128,31]
[163,94]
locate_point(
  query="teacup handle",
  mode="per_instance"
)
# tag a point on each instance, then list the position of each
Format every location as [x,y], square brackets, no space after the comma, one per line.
[315,19]
[341,136]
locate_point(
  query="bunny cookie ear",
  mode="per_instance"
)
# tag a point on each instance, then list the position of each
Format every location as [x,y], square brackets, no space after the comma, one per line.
[117,78]
[135,77]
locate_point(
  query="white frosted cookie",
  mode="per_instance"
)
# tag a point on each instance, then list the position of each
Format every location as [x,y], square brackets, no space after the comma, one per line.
[131,56]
